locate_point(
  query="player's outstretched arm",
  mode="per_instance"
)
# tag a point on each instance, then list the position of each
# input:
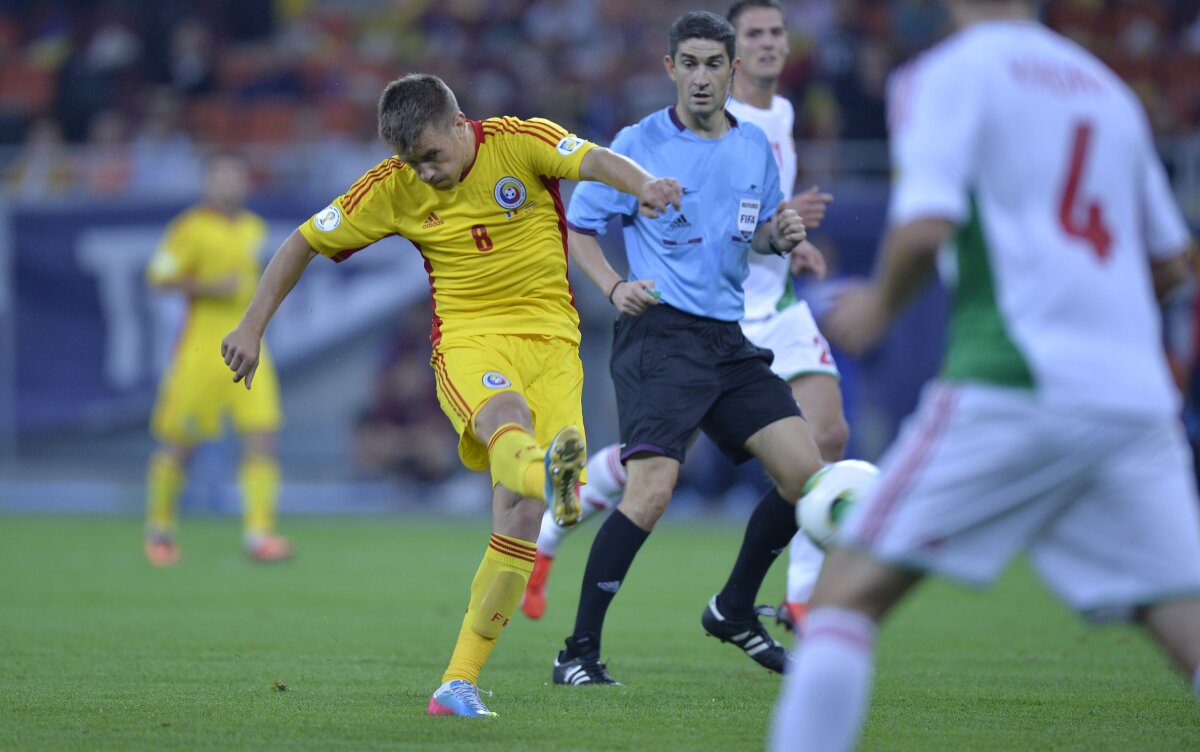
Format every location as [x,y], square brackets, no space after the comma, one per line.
[240,348]
[862,313]
[621,172]
[630,298]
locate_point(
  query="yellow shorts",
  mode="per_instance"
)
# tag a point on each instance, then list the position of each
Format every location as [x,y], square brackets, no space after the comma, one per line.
[470,370]
[197,394]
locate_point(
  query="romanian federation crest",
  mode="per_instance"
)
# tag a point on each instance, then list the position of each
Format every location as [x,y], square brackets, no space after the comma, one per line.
[495,380]
[510,192]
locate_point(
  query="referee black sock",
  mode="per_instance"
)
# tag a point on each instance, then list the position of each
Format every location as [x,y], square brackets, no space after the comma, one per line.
[613,550]
[768,533]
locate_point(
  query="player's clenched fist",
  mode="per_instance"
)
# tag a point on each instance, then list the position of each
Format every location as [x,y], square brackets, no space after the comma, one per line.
[656,194]
[240,349]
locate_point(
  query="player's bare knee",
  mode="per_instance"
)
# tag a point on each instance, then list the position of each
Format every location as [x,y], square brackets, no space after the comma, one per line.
[791,480]
[645,507]
[506,407]
[792,488]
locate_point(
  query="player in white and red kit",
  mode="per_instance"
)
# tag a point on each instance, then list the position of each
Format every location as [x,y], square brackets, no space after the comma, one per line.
[1053,426]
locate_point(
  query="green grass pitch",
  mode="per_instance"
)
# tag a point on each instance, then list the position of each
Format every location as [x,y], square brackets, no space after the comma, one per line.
[99,651]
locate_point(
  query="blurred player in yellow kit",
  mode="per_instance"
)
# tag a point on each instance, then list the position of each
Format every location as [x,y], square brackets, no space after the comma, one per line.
[209,254]
[480,200]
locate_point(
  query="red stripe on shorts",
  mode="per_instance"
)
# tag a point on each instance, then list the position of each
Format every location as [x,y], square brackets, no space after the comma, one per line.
[460,406]
[899,482]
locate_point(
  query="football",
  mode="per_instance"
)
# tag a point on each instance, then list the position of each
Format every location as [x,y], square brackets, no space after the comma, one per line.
[830,494]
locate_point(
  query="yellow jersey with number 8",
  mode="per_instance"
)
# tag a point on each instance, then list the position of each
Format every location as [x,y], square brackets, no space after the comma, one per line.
[495,247]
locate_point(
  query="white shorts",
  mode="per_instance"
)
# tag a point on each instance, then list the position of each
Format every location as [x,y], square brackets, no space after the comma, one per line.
[1106,504]
[793,336]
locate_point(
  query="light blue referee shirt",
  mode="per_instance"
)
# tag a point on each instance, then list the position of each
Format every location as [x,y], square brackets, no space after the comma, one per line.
[696,255]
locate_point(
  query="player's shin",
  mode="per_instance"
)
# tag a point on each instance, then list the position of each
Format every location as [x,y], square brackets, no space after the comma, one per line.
[164,481]
[824,701]
[259,479]
[768,532]
[495,593]
[517,460]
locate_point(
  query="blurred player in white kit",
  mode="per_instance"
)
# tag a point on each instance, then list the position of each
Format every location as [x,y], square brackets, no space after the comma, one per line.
[1053,426]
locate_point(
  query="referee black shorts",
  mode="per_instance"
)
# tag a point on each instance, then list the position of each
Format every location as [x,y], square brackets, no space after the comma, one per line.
[675,372]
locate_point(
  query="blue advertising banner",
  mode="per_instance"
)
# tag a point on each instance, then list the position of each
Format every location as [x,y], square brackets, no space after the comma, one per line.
[91,338]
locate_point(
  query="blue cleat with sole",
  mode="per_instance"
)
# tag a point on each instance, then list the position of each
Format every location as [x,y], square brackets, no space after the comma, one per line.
[459,697]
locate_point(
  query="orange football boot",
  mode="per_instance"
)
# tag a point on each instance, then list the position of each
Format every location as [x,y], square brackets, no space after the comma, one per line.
[162,550]
[268,548]
[533,602]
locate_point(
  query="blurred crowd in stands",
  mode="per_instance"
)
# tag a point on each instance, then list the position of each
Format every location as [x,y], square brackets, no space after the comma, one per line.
[146,84]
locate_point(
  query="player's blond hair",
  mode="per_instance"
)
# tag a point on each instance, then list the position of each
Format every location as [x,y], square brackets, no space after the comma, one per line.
[411,104]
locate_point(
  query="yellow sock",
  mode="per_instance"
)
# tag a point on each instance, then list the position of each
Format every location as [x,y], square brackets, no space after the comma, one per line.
[164,481]
[518,463]
[495,593]
[259,481]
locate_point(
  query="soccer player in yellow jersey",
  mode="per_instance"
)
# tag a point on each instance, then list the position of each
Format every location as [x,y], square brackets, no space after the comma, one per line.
[480,200]
[209,254]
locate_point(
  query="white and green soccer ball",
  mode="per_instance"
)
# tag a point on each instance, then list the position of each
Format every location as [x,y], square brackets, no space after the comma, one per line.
[830,494]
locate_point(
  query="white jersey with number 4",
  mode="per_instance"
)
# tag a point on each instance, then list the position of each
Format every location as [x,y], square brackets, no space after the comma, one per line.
[1044,160]
[769,284]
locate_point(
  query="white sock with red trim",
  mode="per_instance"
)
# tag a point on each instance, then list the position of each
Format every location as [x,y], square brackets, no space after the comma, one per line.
[826,692]
[604,489]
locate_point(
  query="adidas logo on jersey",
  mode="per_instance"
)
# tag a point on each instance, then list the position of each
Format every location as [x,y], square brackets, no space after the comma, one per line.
[432,221]
[679,223]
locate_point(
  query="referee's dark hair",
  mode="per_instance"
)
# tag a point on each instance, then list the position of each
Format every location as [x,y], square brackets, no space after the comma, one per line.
[700,24]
